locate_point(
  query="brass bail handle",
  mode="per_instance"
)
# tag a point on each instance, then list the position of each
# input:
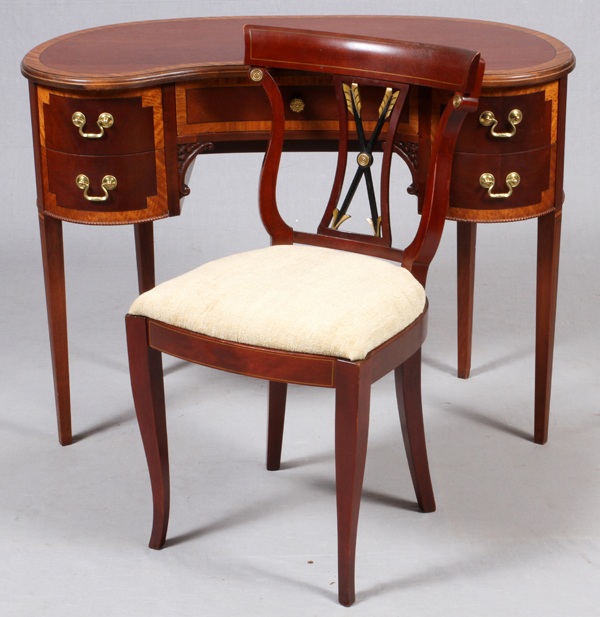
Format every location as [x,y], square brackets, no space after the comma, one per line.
[487,181]
[109,183]
[105,121]
[487,118]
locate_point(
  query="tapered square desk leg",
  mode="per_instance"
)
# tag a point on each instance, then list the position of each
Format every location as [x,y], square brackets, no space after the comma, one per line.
[466,236]
[547,286]
[144,253]
[54,278]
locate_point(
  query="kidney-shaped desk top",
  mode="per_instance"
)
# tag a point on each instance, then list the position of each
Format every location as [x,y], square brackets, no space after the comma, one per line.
[120,112]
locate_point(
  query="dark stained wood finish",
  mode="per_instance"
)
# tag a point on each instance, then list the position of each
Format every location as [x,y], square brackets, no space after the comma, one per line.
[277,399]
[96,66]
[466,237]
[145,367]
[533,132]
[212,47]
[132,131]
[533,166]
[135,174]
[56,303]
[352,402]
[549,227]
[242,359]
[144,254]
[352,380]
[408,394]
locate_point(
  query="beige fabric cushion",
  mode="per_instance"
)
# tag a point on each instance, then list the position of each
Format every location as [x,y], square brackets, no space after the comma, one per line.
[293,297]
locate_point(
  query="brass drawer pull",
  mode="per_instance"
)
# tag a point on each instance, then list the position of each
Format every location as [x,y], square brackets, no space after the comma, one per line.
[297,105]
[105,121]
[487,118]
[109,183]
[487,181]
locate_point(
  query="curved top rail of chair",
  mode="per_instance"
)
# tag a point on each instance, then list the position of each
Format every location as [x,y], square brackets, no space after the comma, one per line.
[126,56]
[438,66]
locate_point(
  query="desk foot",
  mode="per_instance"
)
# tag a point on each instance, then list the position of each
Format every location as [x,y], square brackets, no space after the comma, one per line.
[54,279]
[466,237]
[547,285]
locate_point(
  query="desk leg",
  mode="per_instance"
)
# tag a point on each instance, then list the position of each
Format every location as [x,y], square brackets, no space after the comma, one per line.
[54,278]
[144,252]
[547,285]
[466,236]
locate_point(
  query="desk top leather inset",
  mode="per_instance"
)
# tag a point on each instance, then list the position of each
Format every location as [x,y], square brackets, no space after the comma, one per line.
[132,55]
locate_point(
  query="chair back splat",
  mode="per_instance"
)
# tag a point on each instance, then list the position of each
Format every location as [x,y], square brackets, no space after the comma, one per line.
[356,61]
[274,313]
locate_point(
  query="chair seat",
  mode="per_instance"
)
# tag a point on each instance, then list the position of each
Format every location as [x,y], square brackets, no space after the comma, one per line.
[294,298]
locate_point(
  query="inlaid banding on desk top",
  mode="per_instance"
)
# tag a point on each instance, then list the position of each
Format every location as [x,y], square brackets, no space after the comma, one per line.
[126,54]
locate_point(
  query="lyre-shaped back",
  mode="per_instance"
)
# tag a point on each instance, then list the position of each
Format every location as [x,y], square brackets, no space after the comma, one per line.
[393,99]
[354,61]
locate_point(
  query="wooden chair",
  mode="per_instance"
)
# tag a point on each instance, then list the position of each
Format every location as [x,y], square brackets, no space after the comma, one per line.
[317,309]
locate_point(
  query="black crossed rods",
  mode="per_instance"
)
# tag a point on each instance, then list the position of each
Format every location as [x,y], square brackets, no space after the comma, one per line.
[365,156]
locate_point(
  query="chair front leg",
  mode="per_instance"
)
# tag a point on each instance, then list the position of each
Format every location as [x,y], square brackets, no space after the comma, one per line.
[352,402]
[277,398]
[408,394]
[145,368]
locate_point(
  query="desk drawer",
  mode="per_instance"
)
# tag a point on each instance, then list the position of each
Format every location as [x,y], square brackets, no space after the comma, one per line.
[533,194]
[533,131]
[139,194]
[235,105]
[132,123]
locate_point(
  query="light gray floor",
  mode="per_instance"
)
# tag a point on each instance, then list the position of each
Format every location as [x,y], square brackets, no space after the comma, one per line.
[517,531]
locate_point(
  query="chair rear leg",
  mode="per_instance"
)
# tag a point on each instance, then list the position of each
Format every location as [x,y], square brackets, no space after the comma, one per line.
[277,398]
[352,401]
[145,367]
[408,393]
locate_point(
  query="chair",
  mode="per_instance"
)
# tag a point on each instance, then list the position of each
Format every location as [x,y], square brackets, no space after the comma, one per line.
[325,309]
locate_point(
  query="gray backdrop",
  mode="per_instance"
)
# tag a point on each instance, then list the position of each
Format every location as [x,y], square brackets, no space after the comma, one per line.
[518,525]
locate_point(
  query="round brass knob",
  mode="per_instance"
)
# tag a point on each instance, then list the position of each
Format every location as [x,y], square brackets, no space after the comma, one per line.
[364,160]
[297,105]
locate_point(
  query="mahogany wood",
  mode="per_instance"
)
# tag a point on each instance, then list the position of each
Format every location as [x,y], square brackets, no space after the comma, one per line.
[303,369]
[132,131]
[56,303]
[352,380]
[533,132]
[408,394]
[466,238]
[533,166]
[112,62]
[135,174]
[144,253]
[277,398]
[117,56]
[352,402]
[145,367]
[547,285]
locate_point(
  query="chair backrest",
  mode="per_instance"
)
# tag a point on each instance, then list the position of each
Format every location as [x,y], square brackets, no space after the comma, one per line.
[355,61]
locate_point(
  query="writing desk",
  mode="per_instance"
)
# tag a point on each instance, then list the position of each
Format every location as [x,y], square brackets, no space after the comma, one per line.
[119,114]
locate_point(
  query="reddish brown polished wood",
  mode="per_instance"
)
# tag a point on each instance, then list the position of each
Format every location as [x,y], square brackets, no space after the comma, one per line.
[466,236]
[202,101]
[347,62]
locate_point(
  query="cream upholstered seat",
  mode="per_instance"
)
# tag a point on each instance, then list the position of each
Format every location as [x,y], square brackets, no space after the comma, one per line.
[329,308]
[294,298]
